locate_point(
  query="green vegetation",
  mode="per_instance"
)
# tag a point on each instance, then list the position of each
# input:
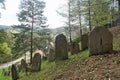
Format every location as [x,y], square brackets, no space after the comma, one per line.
[4,77]
[81,65]
[4,49]
[51,69]
[116,37]
[5,58]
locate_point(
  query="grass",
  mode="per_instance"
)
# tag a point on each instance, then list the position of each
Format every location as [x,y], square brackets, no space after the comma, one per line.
[116,37]
[102,67]
[116,44]
[51,69]
[4,77]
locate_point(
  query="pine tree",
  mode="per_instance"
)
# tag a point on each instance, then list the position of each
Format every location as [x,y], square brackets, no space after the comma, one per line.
[100,12]
[31,16]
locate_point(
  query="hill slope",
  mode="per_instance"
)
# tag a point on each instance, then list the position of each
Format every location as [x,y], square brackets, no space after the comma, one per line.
[81,66]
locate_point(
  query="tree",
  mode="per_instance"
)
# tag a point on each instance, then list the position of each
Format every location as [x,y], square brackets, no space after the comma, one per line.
[101,12]
[69,15]
[45,37]
[74,15]
[3,5]
[4,49]
[2,36]
[98,13]
[31,16]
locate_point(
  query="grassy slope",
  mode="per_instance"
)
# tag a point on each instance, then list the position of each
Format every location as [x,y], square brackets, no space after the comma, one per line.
[80,66]
[4,77]
[52,69]
[102,67]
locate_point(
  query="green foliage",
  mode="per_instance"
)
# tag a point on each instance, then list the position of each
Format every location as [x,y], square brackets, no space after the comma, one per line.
[77,40]
[22,42]
[31,12]
[101,12]
[10,39]
[4,77]
[4,49]
[32,19]
[51,69]
[2,36]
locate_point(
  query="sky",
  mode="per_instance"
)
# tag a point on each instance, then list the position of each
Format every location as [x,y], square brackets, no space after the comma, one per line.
[8,16]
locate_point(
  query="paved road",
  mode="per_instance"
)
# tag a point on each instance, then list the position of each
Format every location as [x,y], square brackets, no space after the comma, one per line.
[10,63]
[5,65]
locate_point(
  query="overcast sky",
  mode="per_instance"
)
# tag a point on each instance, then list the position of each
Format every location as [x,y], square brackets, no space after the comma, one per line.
[8,16]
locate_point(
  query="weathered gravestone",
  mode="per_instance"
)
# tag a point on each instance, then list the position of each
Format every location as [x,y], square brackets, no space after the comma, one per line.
[84,41]
[74,48]
[100,41]
[61,47]
[51,52]
[51,55]
[23,65]
[14,72]
[36,63]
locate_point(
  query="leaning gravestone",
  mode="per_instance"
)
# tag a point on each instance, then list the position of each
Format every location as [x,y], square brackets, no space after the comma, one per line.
[51,55]
[14,72]
[84,41]
[74,48]
[61,47]
[23,65]
[36,63]
[100,41]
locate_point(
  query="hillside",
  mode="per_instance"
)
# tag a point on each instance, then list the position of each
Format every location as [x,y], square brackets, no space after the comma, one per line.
[82,67]
[4,27]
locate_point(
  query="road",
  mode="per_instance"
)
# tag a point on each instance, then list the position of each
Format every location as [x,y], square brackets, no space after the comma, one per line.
[5,65]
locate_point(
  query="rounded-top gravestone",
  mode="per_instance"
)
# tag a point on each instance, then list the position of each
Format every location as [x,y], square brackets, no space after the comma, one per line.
[36,63]
[61,47]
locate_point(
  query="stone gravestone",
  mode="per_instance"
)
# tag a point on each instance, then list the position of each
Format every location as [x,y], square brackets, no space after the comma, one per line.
[51,52]
[74,48]
[14,72]
[61,47]
[84,41]
[51,55]
[36,63]
[100,41]
[23,65]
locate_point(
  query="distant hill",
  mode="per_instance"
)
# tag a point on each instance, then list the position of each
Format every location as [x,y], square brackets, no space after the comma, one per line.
[58,30]
[4,27]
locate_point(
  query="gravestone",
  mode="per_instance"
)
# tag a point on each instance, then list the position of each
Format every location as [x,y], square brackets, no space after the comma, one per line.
[84,41]
[36,63]
[61,47]
[74,48]
[51,55]
[14,72]
[100,41]
[23,65]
